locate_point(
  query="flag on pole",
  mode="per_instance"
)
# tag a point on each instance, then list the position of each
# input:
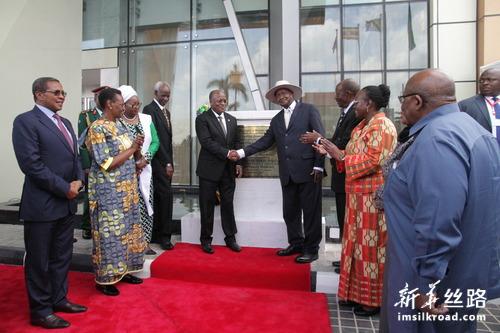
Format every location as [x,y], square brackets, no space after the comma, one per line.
[335,46]
[351,33]
[374,25]
[411,38]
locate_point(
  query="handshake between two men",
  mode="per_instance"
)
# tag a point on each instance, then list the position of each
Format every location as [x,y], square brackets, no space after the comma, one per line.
[233,155]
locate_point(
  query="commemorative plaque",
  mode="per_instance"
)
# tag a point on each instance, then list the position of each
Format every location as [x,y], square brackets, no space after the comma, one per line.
[263,164]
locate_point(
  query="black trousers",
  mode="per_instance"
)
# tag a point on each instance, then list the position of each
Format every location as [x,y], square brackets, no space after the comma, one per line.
[207,204]
[49,248]
[298,199]
[340,204]
[162,204]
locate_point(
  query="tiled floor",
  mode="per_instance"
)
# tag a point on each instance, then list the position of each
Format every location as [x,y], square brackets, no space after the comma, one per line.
[342,320]
[345,321]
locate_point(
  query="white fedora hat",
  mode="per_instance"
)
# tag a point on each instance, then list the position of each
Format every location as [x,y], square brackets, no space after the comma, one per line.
[283,84]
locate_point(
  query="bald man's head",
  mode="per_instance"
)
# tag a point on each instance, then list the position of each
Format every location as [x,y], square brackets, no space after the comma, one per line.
[434,86]
[426,91]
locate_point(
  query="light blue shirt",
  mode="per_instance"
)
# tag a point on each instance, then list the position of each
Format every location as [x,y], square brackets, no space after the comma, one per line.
[442,206]
[50,114]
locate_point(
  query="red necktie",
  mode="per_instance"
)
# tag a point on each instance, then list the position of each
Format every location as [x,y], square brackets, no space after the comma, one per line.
[63,130]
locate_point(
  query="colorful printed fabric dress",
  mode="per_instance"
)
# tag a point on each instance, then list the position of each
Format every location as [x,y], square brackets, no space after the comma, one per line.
[146,218]
[114,204]
[365,235]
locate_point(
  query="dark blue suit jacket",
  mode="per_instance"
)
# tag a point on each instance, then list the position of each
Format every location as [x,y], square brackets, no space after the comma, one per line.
[296,160]
[475,107]
[49,165]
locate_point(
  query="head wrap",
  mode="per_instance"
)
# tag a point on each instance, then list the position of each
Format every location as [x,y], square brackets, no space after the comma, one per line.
[127,92]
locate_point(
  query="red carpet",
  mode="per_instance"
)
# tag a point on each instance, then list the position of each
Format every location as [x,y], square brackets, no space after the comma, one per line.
[170,307]
[252,267]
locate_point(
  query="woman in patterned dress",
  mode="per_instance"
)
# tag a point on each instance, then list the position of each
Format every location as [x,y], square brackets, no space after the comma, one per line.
[139,123]
[365,234]
[118,239]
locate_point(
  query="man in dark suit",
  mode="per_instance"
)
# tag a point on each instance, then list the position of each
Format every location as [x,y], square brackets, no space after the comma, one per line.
[47,153]
[300,169]
[162,166]
[217,133]
[485,107]
[345,92]
[85,119]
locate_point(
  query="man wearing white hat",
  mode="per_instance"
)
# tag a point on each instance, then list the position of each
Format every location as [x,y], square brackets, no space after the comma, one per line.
[300,168]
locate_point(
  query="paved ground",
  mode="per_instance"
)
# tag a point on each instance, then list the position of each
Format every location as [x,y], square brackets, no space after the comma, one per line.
[326,281]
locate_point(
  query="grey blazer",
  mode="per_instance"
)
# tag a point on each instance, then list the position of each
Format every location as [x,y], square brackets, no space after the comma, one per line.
[475,107]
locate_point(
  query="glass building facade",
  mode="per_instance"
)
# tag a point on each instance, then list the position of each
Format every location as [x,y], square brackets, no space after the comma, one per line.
[190,44]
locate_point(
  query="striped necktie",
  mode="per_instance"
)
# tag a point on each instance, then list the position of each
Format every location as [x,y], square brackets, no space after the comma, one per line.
[63,130]
[496,107]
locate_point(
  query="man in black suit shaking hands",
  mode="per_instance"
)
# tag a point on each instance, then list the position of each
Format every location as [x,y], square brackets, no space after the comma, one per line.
[300,169]
[217,133]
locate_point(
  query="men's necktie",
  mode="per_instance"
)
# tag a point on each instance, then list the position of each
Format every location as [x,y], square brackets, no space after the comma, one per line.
[166,113]
[341,118]
[63,130]
[288,115]
[221,122]
[496,107]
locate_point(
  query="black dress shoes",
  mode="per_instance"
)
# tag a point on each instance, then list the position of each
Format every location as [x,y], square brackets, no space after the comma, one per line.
[360,311]
[51,321]
[131,279]
[150,251]
[233,246]
[337,270]
[207,248]
[347,304]
[306,258]
[69,307]
[86,234]
[290,250]
[108,289]
[167,245]
[336,263]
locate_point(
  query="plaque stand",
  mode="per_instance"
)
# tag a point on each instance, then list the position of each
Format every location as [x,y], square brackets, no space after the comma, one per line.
[258,205]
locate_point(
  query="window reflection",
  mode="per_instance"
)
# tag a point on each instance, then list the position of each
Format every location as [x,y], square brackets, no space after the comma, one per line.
[101,24]
[406,43]
[311,3]
[363,37]
[171,64]
[159,21]
[320,24]
[217,65]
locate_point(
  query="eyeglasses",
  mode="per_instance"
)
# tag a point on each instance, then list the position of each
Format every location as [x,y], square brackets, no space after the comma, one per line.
[135,106]
[402,97]
[57,92]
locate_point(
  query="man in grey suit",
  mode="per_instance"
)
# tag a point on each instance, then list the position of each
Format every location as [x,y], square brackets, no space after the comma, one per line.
[46,150]
[485,107]
[300,169]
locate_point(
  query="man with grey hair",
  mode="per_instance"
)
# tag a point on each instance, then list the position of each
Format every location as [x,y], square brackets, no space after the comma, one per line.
[443,218]
[163,167]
